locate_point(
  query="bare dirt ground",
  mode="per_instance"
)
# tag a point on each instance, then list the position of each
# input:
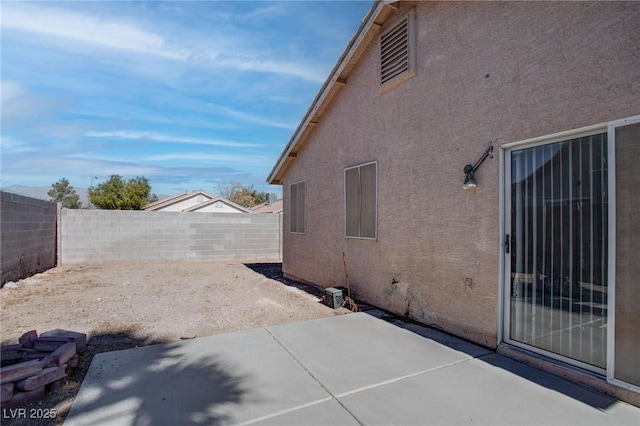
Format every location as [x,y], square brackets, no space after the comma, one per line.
[121,306]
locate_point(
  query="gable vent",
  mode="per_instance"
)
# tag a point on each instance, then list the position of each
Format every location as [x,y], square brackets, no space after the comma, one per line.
[394,50]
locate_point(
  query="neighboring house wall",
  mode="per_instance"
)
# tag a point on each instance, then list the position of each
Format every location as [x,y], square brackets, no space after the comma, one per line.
[28,230]
[196,202]
[485,70]
[101,236]
[184,204]
[218,206]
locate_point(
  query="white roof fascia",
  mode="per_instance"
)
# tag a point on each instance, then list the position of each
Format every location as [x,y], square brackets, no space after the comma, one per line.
[175,199]
[214,200]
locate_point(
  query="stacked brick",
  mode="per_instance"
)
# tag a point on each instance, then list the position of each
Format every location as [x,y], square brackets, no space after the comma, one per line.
[37,364]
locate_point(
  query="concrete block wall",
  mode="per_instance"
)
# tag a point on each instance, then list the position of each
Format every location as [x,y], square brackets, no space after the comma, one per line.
[101,236]
[28,236]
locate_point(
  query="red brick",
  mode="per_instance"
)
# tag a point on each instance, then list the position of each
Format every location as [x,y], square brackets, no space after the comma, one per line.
[10,352]
[29,354]
[32,354]
[47,376]
[79,338]
[50,344]
[61,355]
[20,398]
[20,371]
[6,391]
[27,339]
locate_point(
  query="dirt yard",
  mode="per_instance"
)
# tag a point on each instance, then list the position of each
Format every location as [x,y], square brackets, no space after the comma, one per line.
[121,306]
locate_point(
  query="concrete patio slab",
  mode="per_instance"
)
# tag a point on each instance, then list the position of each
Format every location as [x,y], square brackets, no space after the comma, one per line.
[334,352]
[345,370]
[322,414]
[492,390]
[230,378]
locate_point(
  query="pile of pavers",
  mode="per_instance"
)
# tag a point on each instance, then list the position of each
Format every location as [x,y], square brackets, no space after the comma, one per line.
[38,363]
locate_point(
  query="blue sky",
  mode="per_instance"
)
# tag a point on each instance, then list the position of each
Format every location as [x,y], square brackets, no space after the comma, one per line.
[187,94]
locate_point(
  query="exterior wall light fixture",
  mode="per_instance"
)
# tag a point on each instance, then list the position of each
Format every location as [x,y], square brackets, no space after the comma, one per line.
[469,170]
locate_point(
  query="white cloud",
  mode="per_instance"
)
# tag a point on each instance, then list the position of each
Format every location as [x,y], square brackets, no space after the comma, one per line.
[230,112]
[215,158]
[18,104]
[264,11]
[229,52]
[9,90]
[252,63]
[78,165]
[84,28]
[164,138]
[11,145]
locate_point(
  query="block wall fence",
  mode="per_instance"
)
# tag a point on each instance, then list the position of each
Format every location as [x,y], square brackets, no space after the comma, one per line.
[102,236]
[28,228]
[37,235]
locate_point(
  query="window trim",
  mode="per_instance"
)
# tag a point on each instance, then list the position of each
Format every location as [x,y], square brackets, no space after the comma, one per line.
[305,207]
[375,237]
[612,126]
[410,17]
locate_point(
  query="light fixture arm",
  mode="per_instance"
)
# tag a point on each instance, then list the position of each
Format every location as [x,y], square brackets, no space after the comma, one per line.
[471,169]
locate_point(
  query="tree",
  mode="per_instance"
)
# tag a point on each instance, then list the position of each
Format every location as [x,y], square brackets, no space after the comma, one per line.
[121,194]
[62,192]
[246,196]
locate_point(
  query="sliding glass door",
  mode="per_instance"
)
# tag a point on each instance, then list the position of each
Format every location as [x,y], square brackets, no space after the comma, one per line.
[572,249]
[556,244]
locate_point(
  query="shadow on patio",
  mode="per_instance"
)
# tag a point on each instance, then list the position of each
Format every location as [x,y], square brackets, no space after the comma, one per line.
[153,385]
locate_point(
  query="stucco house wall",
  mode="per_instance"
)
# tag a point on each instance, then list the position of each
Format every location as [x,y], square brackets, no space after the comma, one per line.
[485,70]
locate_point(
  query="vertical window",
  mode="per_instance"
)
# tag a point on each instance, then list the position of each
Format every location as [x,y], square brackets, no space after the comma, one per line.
[297,205]
[397,49]
[360,185]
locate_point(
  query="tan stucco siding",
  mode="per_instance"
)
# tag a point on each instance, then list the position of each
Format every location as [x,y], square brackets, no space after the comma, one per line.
[485,70]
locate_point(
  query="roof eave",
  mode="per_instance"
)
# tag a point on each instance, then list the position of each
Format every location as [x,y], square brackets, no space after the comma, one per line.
[213,200]
[174,199]
[337,79]
[166,200]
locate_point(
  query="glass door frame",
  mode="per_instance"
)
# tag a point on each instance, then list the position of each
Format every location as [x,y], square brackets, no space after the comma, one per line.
[611,318]
[504,298]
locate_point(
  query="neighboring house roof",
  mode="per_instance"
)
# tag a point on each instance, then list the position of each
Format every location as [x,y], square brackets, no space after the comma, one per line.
[183,196]
[152,206]
[275,207]
[369,28]
[215,200]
